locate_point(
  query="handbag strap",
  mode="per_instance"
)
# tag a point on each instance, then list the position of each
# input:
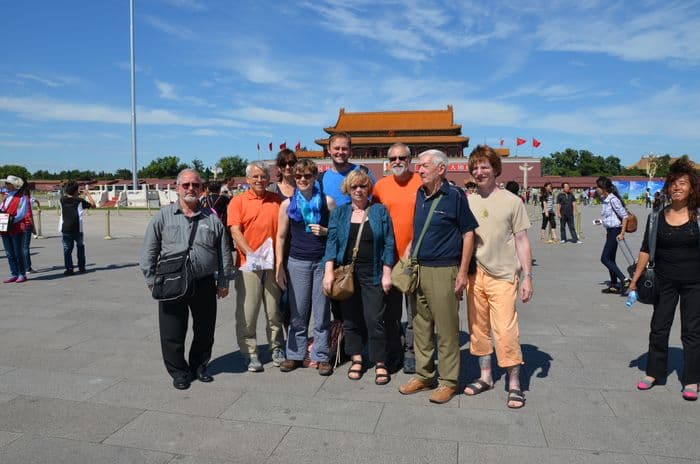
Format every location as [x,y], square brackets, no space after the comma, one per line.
[651,237]
[195,221]
[414,255]
[356,248]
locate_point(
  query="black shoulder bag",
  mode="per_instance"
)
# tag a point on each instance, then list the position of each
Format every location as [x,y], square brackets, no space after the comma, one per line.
[174,275]
[647,290]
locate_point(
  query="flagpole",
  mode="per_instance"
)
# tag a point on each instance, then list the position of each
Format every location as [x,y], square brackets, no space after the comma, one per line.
[134,165]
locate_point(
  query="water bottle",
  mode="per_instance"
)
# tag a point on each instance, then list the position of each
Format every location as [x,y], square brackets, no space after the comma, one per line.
[631,299]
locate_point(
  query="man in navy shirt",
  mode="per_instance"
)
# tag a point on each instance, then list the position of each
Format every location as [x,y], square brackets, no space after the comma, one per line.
[443,256]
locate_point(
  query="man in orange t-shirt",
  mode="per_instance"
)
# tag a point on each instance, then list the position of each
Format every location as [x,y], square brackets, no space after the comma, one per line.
[252,217]
[397,193]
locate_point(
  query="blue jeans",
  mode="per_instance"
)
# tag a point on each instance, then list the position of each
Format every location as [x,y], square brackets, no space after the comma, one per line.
[608,256]
[305,286]
[13,250]
[26,253]
[68,241]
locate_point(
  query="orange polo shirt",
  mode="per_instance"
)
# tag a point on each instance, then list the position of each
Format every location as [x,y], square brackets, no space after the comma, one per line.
[256,216]
[400,200]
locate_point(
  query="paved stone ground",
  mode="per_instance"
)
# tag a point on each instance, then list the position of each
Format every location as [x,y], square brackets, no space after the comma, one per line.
[82,381]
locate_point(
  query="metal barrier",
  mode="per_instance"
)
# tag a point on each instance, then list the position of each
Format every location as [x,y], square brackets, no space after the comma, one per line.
[37,224]
[107,236]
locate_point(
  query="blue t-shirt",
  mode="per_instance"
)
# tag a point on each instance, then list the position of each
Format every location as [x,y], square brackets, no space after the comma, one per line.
[442,243]
[332,181]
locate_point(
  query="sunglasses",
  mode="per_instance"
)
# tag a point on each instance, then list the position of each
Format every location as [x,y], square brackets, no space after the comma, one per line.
[398,158]
[187,185]
[289,164]
[303,176]
[362,186]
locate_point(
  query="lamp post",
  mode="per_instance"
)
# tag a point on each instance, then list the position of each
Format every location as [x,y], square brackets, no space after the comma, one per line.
[525,168]
[133,98]
[216,170]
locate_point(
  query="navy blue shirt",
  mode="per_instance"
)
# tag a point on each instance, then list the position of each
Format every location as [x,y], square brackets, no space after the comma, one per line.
[442,243]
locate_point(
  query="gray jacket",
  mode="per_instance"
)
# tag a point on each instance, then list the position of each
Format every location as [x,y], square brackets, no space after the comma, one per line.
[168,233]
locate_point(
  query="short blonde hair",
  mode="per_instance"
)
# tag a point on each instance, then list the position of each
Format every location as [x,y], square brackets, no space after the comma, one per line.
[358,176]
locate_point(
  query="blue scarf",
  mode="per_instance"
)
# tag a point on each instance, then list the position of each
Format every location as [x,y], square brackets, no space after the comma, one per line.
[301,209]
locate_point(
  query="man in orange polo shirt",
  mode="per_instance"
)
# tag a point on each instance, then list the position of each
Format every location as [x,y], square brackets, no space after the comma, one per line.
[398,194]
[252,218]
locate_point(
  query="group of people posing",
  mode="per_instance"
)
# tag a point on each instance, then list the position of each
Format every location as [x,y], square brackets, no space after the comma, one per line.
[292,235]
[17,226]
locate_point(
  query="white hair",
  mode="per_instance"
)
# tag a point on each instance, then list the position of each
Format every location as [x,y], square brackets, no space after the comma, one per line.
[187,170]
[257,164]
[436,156]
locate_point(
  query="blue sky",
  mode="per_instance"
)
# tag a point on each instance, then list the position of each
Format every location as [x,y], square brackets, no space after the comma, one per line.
[216,77]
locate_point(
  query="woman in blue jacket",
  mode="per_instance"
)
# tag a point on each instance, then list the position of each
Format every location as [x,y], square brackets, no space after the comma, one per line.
[363,313]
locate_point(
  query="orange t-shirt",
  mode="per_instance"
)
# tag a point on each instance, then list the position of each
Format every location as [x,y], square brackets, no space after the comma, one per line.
[256,216]
[400,200]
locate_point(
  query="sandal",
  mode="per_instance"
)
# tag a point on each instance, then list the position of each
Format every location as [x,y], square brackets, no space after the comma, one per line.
[381,379]
[352,372]
[477,386]
[690,393]
[517,397]
[646,384]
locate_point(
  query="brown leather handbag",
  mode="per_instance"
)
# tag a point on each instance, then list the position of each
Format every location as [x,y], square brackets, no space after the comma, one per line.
[343,282]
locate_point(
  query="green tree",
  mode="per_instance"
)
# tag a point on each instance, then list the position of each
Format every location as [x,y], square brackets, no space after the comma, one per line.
[572,162]
[14,170]
[165,167]
[198,165]
[663,164]
[232,166]
[122,174]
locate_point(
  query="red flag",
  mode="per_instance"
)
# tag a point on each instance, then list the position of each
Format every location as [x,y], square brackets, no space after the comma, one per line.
[535,143]
[519,141]
[297,147]
[502,141]
[283,146]
[270,146]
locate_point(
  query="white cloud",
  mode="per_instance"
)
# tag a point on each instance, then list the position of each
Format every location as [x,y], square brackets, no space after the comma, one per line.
[191,5]
[174,30]
[168,92]
[632,34]
[207,133]
[58,81]
[273,116]
[43,108]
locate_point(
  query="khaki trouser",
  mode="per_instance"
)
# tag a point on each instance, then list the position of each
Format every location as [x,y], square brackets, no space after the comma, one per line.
[437,310]
[491,309]
[253,288]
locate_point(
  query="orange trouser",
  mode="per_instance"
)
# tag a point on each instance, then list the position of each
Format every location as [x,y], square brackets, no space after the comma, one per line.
[491,309]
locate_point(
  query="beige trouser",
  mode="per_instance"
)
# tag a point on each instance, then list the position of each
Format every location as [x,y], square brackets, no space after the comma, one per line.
[437,310]
[253,288]
[491,309]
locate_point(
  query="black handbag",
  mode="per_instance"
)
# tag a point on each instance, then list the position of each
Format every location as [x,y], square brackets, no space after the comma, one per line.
[647,291]
[174,275]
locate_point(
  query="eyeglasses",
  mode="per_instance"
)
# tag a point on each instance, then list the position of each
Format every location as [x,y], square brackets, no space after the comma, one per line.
[187,185]
[398,158]
[288,164]
[362,186]
[303,176]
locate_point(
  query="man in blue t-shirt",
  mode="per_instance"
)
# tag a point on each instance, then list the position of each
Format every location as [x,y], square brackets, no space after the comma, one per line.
[339,150]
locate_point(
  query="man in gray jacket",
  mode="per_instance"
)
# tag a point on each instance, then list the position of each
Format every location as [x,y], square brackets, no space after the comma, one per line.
[167,234]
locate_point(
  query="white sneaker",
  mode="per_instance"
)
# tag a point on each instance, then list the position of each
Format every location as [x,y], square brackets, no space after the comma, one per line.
[579,242]
[278,357]
[563,241]
[254,364]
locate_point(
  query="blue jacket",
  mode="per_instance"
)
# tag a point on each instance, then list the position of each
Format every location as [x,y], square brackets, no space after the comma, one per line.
[382,234]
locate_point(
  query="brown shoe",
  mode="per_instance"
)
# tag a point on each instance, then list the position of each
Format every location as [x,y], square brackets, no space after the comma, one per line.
[289,365]
[414,386]
[443,394]
[325,368]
